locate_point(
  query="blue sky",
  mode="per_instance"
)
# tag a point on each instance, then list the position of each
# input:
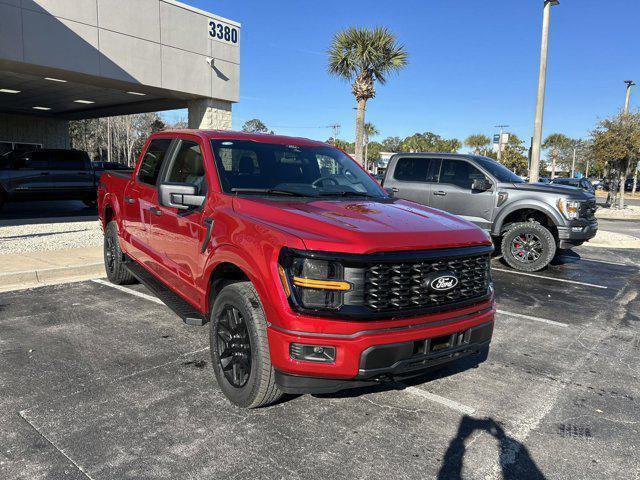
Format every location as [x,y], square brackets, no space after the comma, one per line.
[473,65]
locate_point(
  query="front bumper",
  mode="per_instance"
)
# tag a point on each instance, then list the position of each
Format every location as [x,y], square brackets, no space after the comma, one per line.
[369,356]
[577,232]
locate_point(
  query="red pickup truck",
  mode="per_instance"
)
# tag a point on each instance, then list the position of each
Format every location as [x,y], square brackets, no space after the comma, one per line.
[313,277]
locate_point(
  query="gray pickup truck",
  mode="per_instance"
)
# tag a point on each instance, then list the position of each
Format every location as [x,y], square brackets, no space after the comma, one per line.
[530,221]
[47,174]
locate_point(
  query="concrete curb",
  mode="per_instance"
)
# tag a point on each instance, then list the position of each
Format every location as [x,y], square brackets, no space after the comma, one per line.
[50,276]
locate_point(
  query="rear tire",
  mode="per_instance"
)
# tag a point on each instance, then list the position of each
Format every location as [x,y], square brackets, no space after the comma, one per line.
[528,246]
[114,258]
[239,348]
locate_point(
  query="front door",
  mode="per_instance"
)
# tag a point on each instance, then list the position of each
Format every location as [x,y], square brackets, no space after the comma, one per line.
[453,193]
[177,235]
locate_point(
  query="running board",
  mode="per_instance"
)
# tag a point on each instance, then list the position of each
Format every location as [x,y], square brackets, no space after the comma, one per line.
[175,302]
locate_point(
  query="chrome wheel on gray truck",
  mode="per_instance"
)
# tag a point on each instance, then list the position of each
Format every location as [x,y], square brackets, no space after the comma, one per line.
[239,347]
[528,246]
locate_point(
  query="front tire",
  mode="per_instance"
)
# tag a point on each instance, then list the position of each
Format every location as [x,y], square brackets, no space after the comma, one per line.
[528,246]
[239,347]
[113,258]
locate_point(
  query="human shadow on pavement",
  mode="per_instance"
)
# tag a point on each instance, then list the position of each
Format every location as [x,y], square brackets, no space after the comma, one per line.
[514,458]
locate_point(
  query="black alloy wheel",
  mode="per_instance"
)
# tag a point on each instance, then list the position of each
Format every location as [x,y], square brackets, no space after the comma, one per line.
[234,346]
[526,248]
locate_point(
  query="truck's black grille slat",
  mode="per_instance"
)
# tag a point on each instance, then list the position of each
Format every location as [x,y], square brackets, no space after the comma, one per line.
[404,286]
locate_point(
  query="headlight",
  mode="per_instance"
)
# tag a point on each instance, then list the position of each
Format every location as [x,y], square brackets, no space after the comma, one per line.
[569,208]
[313,283]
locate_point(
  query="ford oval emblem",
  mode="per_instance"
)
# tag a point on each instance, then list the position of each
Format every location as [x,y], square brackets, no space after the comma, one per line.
[443,283]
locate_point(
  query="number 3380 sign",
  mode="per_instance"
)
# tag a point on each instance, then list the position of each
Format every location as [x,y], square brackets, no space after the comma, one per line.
[223,32]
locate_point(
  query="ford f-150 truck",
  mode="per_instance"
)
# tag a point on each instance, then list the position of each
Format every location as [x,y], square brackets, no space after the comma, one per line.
[313,278]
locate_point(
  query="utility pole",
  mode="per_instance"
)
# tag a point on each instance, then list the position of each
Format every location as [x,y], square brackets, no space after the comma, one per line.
[628,98]
[534,174]
[501,127]
[573,163]
[336,130]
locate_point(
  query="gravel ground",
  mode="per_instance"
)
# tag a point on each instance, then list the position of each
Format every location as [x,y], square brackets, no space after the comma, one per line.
[49,236]
[629,212]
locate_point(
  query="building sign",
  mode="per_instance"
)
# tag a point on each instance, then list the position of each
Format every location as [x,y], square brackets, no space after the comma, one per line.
[223,32]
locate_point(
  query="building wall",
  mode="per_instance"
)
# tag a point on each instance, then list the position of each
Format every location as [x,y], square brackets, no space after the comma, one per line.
[49,132]
[159,43]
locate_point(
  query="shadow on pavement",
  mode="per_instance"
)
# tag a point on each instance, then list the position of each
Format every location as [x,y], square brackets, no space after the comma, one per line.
[514,458]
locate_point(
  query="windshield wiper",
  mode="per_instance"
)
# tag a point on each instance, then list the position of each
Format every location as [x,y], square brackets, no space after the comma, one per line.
[271,191]
[345,193]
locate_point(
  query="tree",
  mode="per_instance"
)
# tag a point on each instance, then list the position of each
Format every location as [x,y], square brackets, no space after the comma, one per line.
[558,145]
[429,142]
[391,144]
[256,126]
[479,143]
[616,141]
[370,130]
[341,144]
[374,153]
[514,156]
[363,56]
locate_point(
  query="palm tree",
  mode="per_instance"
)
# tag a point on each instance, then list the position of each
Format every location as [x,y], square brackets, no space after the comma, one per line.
[556,143]
[479,143]
[362,56]
[370,130]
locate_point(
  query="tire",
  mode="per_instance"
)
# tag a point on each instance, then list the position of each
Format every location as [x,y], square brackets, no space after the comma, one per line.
[113,258]
[537,246]
[239,348]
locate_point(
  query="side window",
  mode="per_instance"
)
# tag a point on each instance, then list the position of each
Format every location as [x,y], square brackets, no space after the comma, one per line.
[187,166]
[412,169]
[152,161]
[459,173]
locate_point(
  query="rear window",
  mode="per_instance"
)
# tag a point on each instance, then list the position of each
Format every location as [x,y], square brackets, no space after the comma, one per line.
[67,160]
[152,161]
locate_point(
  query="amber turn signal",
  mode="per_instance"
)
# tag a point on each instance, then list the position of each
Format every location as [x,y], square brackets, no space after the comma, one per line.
[321,284]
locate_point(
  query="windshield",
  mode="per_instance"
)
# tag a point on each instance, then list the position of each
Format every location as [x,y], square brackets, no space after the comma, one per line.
[499,171]
[248,167]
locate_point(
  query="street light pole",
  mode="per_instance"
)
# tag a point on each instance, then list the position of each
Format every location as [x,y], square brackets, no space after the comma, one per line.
[501,127]
[628,98]
[534,173]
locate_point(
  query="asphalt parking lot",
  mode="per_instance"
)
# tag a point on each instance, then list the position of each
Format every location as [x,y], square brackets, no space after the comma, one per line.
[103,383]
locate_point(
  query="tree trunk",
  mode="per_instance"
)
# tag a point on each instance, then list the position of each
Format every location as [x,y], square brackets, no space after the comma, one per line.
[360,131]
[366,155]
[635,180]
[623,178]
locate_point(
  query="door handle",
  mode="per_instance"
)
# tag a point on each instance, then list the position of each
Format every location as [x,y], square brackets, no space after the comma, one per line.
[395,189]
[156,211]
[440,193]
[129,200]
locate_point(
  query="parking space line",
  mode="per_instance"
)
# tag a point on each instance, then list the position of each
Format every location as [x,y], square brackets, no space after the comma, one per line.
[535,319]
[452,404]
[564,280]
[596,261]
[129,291]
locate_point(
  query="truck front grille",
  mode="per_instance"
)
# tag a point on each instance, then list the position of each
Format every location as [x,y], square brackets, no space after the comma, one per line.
[405,286]
[588,209]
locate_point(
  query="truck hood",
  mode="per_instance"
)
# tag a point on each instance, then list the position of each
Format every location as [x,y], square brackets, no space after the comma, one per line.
[363,226]
[564,190]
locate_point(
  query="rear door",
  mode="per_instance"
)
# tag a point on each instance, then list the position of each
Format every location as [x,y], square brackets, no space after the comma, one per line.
[29,175]
[412,177]
[141,199]
[71,175]
[454,194]
[177,235]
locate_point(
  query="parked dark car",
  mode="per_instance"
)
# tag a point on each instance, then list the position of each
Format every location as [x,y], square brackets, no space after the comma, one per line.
[529,220]
[101,166]
[47,174]
[581,183]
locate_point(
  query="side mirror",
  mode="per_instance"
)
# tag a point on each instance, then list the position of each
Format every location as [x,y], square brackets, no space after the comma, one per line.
[481,185]
[391,191]
[180,195]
